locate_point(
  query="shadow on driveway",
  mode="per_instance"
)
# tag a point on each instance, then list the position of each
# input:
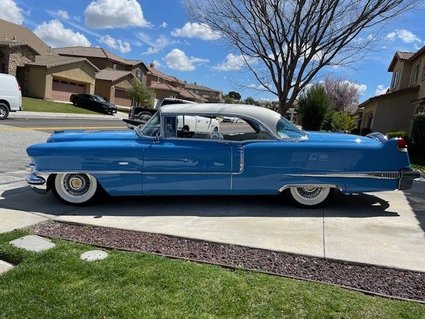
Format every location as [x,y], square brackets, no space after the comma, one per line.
[349,206]
[416,199]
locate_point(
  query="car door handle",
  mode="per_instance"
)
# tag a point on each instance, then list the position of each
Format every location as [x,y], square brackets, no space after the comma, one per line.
[123,163]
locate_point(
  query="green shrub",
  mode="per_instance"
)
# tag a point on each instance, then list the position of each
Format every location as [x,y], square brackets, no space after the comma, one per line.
[418,130]
[313,106]
[397,134]
[342,122]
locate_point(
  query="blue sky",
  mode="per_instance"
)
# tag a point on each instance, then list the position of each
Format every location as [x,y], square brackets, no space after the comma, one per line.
[159,31]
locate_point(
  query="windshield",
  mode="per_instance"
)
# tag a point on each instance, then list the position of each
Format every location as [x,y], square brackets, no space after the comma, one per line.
[286,129]
[151,128]
[98,98]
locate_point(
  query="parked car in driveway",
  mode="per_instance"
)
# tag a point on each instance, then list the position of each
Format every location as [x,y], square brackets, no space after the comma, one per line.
[10,95]
[264,155]
[93,102]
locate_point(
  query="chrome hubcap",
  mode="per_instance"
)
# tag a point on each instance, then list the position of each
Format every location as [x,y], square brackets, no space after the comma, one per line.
[309,191]
[76,184]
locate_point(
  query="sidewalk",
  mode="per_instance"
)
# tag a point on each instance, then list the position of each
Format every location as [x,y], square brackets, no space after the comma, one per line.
[26,114]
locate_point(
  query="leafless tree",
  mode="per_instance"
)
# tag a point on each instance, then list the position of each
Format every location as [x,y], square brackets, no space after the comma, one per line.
[343,94]
[285,43]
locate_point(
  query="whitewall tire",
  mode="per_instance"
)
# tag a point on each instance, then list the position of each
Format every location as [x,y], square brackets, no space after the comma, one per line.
[75,188]
[310,195]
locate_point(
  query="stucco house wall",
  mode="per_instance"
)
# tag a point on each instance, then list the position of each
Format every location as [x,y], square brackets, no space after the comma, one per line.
[394,114]
[37,82]
[41,78]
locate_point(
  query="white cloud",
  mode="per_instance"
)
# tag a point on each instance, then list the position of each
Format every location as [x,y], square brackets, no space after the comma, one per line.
[105,14]
[404,35]
[122,46]
[56,35]
[233,63]
[155,46]
[178,60]
[196,30]
[9,11]
[62,14]
[381,89]
[163,25]
[361,88]
[259,86]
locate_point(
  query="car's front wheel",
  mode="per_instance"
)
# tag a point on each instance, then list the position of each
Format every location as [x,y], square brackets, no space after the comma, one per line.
[310,195]
[4,111]
[75,188]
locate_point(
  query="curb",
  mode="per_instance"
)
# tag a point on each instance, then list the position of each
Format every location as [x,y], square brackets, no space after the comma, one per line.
[31,115]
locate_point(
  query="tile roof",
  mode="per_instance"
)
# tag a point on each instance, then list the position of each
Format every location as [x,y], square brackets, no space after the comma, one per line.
[111,75]
[91,52]
[13,32]
[399,55]
[163,86]
[49,61]
[404,55]
[153,71]
[194,86]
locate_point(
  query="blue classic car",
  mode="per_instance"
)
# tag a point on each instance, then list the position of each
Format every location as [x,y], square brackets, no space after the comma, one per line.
[176,153]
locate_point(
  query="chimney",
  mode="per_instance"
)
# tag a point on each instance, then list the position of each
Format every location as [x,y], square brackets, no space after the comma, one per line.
[152,65]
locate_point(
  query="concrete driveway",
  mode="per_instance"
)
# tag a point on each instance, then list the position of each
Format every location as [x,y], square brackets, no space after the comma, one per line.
[385,229]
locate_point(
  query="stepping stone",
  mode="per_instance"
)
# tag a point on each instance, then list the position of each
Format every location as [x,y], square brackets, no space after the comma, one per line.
[93,255]
[4,266]
[33,243]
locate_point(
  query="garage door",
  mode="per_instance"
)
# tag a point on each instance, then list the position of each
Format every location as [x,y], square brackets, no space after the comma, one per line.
[121,98]
[62,89]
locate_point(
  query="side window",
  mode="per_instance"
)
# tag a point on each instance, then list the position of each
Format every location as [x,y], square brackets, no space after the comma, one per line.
[237,129]
[170,127]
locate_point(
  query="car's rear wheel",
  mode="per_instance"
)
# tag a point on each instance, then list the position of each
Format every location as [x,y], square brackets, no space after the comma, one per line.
[75,188]
[310,195]
[4,111]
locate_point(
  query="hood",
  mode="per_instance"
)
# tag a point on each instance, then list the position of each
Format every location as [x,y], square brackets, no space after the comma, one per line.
[335,138]
[85,135]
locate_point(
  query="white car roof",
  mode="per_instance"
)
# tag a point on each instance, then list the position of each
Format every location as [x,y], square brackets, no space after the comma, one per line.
[263,115]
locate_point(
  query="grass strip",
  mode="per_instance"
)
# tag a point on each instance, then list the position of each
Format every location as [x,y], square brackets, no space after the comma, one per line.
[57,284]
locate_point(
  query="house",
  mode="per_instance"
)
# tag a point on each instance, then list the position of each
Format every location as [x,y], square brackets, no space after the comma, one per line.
[113,85]
[116,74]
[40,71]
[394,110]
[206,93]
[164,86]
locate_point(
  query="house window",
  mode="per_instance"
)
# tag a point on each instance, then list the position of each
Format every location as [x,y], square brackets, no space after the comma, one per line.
[138,74]
[415,74]
[423,73]
[396,79]
[114,66]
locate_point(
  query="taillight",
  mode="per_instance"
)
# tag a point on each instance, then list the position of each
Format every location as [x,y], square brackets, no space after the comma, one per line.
[401,144]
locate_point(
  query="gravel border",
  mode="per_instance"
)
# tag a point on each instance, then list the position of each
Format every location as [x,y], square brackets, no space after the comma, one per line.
[387,282]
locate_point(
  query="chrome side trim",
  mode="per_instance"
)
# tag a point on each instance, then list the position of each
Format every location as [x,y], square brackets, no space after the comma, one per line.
[304,185]
[88,172]
[373,175]
[241,159]
[185,173]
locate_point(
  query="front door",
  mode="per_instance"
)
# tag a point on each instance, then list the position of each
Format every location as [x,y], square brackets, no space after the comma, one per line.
[187,166]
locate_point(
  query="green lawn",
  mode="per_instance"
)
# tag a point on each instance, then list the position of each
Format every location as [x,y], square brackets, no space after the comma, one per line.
[39,105]
[57,284]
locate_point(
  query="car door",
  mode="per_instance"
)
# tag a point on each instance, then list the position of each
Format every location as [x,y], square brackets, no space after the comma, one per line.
[186,163]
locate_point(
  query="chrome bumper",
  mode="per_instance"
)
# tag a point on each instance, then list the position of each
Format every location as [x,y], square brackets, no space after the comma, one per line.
[38,182]
[406,178]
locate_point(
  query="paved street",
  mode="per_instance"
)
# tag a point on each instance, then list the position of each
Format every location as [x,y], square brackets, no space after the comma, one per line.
[381,228]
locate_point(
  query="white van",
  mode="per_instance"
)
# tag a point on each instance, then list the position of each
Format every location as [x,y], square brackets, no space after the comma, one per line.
[10,95]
